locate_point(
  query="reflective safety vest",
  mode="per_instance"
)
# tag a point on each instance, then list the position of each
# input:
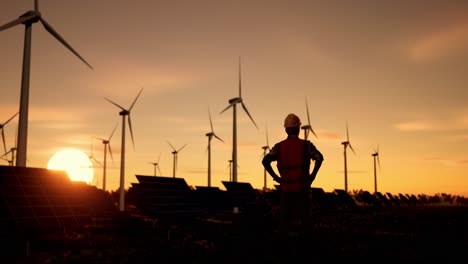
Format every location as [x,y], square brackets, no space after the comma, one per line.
[293,163]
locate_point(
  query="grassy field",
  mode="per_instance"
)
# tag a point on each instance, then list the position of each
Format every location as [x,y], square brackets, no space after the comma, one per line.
[369,234]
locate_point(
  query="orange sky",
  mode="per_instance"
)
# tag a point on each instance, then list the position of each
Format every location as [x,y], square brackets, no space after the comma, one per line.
[394,71]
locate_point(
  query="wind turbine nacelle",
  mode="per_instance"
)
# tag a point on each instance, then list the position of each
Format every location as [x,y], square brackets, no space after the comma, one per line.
[235,100]
[31,13]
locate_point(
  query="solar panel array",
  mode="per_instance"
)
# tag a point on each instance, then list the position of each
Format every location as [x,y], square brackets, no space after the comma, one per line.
[163,197]
[37,199]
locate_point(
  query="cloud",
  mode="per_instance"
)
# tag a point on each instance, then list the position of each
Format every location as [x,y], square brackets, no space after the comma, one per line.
[447,162]
[452,122]
[446,42]
[414,126]
[57,118]
[328,135]
[354,171]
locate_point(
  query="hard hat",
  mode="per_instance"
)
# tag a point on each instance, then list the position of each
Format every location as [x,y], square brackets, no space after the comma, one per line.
[292,120]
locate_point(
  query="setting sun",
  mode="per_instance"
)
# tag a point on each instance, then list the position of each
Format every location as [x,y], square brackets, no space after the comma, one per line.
[75,162]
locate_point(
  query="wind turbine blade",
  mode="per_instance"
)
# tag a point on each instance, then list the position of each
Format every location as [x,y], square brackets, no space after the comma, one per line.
[307,108]
[347,133]
[182,147]
[311,130]
[226,108]
[378,155]
[218,138]
[171,145]
[6,153]
[115,104]
[157,167]
[59,38]
[97,161]
[112,132]
[245,109]
[211,122]
[134,101]
[36,5]
[266,130]
[3,138]
[351,147]
[110,151]
[240,79]
[10,118]
[131,131]
[17,21]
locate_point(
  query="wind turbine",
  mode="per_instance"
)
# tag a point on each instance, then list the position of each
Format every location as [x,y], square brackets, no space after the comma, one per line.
[28,19]
[12,151]
[265,148]
[308,128]
[156,166]
[210,135]
[124,113]
[2,127]
[93,160]
[92,157]
[376,162]
[345,145]
[232,103]
[12,160]
[106,143]
[174,153]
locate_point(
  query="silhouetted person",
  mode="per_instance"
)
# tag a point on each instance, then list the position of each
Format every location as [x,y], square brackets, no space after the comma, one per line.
[293,156]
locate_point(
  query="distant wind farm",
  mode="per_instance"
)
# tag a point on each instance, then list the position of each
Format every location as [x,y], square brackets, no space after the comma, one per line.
[395,77]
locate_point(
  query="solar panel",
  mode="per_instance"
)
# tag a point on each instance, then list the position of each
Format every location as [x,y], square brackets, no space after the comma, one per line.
[318,198]
[164,197]
[344,199]
[212,199]
[241,193]
[37,198]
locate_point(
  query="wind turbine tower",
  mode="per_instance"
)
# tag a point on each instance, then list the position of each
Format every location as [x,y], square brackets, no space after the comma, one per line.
[232,103]
[345,145]
[124,113]
[28,19]
[230,169]
[308,128]
[265,149]
[210,135]
[174,154]
[106,143]
[376,162]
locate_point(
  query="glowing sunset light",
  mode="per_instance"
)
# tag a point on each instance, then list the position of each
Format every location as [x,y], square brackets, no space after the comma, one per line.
[75,162]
